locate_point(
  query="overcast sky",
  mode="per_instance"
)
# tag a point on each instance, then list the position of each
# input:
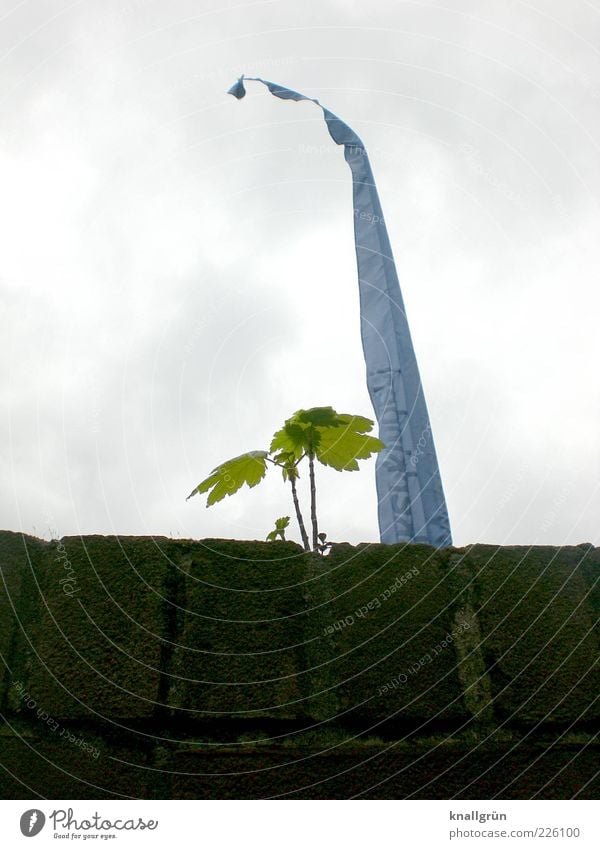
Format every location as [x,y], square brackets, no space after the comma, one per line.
[177,269]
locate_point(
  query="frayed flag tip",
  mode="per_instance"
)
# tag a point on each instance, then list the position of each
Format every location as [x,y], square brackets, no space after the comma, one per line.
[237,89]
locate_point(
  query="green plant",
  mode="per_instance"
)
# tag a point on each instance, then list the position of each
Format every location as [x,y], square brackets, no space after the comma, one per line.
[320,434]
[323,544]
[279,530]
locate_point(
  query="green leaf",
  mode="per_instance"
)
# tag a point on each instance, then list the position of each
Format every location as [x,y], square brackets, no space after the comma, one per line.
[291,440]
[342,446]
[336,439]
[358,423]
[282,523]
[317,417]
[227,478]
[287,462]
[279,531]
[301,433]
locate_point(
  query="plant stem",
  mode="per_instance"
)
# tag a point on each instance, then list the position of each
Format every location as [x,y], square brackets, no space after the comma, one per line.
[303,533]
[313,501]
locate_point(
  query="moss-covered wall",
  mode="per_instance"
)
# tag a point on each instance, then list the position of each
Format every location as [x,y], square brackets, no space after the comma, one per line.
[150,667]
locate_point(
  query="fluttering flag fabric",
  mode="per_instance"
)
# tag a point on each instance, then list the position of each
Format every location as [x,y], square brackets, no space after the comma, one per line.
[411,502]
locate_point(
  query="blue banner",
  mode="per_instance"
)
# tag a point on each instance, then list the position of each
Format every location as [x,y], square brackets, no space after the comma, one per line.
[411,502]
